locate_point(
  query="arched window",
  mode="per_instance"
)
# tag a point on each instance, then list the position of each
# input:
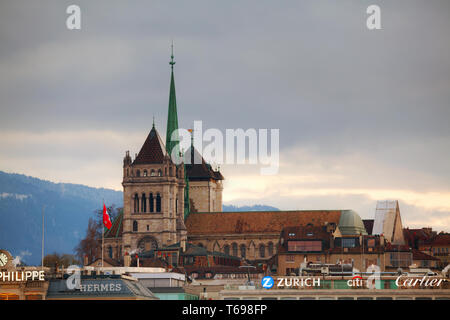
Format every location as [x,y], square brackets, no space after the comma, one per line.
[145,173]
[135,226]
[152,173]
[262,251]
[170,171]
[147,243]
[243,250]
[234,246]
[165,171]
[128,172]
[138,173]
[226,249]
[270,249]
[159,173]
[158,203]
[200,245]
[144,203]
[150,199]
[110,253]
[136,203]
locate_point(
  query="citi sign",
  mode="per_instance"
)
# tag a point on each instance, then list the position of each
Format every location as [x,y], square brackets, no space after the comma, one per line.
[356,281]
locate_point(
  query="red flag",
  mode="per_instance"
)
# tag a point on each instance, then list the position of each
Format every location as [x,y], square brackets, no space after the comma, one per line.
[106,220]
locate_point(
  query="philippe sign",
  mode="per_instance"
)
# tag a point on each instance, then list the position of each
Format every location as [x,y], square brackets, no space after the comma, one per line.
[17,276]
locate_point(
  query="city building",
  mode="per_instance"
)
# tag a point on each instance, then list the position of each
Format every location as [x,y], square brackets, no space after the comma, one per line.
[173,207]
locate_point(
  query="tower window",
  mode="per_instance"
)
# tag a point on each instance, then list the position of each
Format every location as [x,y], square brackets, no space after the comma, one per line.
[136,203]
[159,173]
[145,173]
[235,249]
[135,226]
[262,251]
[110,252]
[158,203]
[152,173]
[226,249]
[148,227]
[150,199]
[138,173]
[243,251]
[270,249]
[144,203]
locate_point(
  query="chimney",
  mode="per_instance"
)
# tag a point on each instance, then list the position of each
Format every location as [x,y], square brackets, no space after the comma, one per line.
[86,260]
[183,244]
[127,260]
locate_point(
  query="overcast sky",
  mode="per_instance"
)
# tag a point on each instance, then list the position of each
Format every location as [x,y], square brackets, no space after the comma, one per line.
[363,115]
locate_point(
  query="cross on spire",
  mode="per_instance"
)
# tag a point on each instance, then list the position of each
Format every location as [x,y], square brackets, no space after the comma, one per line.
[171,57]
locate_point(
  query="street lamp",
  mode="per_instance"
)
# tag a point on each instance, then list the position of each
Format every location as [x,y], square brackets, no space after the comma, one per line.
[249,282]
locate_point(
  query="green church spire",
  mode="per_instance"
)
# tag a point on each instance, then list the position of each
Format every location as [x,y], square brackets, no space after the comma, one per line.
[173,143]
[172,119]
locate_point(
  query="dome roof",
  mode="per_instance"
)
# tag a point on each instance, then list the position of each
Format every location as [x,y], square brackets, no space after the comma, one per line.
[350,223]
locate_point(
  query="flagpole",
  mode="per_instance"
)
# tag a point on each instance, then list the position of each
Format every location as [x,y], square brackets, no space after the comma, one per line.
[103,232]
[103,239]
[42,253]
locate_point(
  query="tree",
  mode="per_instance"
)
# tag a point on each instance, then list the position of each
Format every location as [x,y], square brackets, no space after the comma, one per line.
[90,246]
[60,260]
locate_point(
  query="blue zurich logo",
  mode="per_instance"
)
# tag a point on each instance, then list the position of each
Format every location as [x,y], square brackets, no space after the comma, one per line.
[267,282]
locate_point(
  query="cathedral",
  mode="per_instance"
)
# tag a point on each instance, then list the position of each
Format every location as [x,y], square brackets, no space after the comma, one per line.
[167,205]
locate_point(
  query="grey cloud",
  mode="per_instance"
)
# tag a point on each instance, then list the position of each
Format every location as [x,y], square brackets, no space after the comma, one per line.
[310,68]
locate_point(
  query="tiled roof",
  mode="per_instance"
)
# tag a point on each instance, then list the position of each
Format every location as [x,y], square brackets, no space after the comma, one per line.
[116,228]
[197,168]
[412,234]
[152,263]
[305,232]
[419,255]
[368,224]
[106,260]
[256,221]
[217,270]
[441,240]
[152,151]
[191,250]
[396,248]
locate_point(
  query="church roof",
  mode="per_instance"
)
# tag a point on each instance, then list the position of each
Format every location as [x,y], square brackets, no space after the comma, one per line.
[116,228]
[152,151]
[197,168]
[256,221]
[306,232]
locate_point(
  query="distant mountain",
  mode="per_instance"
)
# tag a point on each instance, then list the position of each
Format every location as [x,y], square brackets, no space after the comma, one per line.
[68,208]
[256,207]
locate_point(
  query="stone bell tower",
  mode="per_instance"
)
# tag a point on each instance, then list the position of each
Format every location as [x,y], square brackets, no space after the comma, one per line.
[154,190]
